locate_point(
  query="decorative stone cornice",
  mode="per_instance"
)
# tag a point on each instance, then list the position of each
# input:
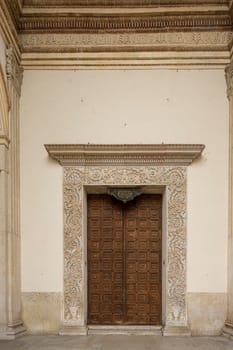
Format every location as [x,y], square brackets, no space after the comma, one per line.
[111,15]
[98,155]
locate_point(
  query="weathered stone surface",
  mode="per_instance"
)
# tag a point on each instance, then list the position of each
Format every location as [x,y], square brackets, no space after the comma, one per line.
[206,313]
[42,312]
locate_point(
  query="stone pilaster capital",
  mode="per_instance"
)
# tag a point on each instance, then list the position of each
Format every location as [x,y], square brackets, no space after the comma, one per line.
[14,71]
[229,79]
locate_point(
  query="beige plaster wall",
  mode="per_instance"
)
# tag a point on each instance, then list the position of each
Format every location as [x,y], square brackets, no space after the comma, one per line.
[123,107]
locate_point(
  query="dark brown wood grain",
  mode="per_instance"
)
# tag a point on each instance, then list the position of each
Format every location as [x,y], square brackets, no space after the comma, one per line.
[124,260]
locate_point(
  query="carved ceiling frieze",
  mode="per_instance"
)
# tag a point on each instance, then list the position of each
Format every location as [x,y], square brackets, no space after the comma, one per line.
[123,33]
[186,49]
[80,42]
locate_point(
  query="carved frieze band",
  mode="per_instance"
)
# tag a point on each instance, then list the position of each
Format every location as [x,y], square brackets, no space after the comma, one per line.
[76,42]
[75,178]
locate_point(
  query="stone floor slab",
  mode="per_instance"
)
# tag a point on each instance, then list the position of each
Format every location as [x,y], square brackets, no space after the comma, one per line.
[116,342]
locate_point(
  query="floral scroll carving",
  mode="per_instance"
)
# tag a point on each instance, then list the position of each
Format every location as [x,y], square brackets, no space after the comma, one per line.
[75,180]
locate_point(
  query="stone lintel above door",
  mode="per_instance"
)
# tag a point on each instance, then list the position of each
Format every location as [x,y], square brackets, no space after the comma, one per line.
[145,154]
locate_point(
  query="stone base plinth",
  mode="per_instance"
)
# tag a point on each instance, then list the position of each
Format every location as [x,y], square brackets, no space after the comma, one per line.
[177,331]
[11,333]
[228,330]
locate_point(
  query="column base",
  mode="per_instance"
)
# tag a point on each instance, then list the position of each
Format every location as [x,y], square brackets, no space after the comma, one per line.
[13,332]
[228,330]
[73,330]
[176,331]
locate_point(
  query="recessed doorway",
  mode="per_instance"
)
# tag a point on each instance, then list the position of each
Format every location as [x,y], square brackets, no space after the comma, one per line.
[124,253]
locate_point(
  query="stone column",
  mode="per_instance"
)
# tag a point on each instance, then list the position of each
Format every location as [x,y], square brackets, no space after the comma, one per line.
[228,329]
[12,243]
[3,239]
[4,219]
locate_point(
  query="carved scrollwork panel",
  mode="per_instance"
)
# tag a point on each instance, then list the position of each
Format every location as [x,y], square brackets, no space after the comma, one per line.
[174,178]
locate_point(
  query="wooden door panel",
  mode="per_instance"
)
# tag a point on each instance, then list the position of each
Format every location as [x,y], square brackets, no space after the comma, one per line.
[143,249]
[124,260]
[105,260]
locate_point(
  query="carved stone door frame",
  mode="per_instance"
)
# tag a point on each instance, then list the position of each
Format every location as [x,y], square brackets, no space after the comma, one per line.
[148,166]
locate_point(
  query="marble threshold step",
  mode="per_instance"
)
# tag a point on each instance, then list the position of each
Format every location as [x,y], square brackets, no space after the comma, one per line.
[127,330]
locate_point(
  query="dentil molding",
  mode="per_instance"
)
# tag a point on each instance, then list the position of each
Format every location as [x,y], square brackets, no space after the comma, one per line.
[124,23]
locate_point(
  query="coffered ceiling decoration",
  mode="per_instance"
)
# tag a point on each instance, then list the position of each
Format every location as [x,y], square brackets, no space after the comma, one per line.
[121,33]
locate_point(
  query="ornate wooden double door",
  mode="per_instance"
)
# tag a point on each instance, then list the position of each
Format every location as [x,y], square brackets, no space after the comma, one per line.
[124,261]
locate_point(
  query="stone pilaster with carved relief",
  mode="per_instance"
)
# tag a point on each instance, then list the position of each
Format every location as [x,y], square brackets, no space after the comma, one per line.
[4,179]
[228,329]
[14,80]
